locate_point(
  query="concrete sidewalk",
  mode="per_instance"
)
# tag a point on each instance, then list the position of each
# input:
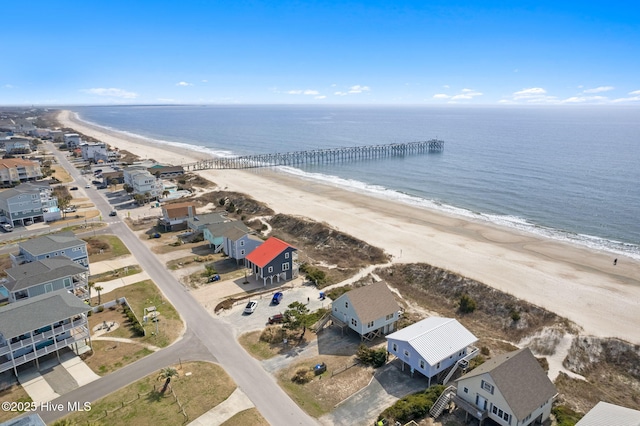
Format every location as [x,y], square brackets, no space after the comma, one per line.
[236,403]
[112,264]
[108,286]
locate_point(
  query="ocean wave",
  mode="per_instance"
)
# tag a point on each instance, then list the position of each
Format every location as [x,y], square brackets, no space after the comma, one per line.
[507,221]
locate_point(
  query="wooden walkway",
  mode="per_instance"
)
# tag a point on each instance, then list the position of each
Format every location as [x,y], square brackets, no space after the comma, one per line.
[319,156]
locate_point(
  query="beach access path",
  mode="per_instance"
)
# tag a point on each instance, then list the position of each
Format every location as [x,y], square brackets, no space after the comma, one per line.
[575,282]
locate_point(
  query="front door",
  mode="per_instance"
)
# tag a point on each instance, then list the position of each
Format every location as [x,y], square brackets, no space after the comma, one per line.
[481,402]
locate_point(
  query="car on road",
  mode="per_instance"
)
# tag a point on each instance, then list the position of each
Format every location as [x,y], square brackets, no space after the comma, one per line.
[277,297]
[251,307]
[6,227]
[275,319]
[88,185]
[113,213]
[69,209]
[73,188]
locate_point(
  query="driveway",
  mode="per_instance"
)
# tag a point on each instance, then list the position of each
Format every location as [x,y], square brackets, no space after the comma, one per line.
[387,386]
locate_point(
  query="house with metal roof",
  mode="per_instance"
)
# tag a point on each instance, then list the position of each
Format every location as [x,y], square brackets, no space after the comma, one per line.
[510,389]
[610,414]
[50,246]
[35,327]
[370,311]
[434,347]
[45,276]
[273,259]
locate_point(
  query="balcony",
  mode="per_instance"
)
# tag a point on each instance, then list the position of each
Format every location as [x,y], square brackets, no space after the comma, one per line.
[7,348]
[470,408]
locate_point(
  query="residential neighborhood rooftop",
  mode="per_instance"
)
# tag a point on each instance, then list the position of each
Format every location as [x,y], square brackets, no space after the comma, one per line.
[51,243]
[27,315]
[520,378]
[609,414]
[29,274]
[372,301]
[435,338]
[267,251]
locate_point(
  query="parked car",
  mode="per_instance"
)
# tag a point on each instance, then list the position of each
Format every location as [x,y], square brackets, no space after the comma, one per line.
[213,278]
[251,307]
[277,297]
[28,222]
[275,319]
[69,209]
[6,227]
[96,182]
[88,185]
[73,188]
[113,213]
[96,172]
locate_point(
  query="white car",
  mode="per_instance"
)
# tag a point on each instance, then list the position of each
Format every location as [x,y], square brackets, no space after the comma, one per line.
[88,185]
[251,307]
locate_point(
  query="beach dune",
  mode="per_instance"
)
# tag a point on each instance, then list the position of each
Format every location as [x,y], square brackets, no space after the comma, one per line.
[575,282]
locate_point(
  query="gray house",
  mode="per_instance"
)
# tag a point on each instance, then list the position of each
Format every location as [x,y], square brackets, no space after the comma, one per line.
[609,414]
[214,233]
[199,222]
[273,259]
[45,276]
[370,311]
[49,246]
[35,327]
[434,347]
[237,243]
[20,205]
[511,389]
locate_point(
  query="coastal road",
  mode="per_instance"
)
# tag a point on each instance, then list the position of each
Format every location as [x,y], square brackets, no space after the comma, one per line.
[214,335]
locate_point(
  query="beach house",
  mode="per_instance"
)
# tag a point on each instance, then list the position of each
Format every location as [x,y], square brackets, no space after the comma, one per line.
[175,216]
[34,327]
[273,259]
[28,202]
[16,170]
[45,276]
[510,389]
[142,182]
[370,311]
[238,243]
[197,223]
[434,347]
[72,140]
[214,233]
[51,246]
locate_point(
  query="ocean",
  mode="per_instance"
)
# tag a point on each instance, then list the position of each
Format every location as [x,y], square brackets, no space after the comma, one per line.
[568,173]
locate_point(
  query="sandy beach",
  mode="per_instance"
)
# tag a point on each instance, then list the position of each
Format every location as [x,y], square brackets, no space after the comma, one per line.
[578,283]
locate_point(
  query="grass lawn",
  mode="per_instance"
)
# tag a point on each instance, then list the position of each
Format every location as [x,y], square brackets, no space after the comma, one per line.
[118,273]
[142,295]
[110,356]
[247,417]
[199,387]
[14,394]
[105,247]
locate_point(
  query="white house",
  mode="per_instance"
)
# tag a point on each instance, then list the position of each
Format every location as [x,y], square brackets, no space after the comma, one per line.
[142,181]
[72,140]
[370,311]
[93,150]
[434,346]
[511,389]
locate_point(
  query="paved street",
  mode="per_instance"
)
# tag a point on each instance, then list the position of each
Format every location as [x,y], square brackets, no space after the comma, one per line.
[206,338]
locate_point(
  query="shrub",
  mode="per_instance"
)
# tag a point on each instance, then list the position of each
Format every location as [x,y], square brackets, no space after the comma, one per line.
[467,304]
[414,406]
[314,274]
[485,351]
[373,357]
[515,315]
[302,376]
[565,416]
[101,308]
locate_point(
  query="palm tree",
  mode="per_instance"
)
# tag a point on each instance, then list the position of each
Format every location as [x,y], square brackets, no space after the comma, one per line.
[165,193]
[99,289]
[167,373]
[90,286]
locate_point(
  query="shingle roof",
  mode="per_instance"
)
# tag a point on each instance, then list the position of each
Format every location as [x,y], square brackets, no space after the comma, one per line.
[267,251]
[209,218]
[30,274]
[609,414]
[50,243]
[179,210]
[435,338]
[7,163]
[236,232]
[372,301]
[519,378]
[32,313]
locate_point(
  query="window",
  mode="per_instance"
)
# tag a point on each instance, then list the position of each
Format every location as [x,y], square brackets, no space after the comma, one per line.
[354,322]
[67,282]
[242,242]
[422,364]
[346,304]
[369,325]
[286,255]
[285,266]
[406,353]
[506,416]
[270,269]
[390,316]
[242,252]
[438,365]
[48,287]
[395,347]
[465,390]
[494,409]
[487,386]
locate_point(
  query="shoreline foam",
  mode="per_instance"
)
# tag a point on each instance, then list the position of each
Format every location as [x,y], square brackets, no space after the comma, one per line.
[577,282]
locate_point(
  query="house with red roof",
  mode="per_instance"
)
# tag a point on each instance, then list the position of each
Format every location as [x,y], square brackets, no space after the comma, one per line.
[273,259]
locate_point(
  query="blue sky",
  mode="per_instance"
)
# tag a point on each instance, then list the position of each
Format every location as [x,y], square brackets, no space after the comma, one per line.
[320,52]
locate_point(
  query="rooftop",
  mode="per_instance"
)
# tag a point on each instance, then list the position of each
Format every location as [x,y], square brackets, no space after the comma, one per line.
[51,243]
[371,302]
[34,273]
[267,251]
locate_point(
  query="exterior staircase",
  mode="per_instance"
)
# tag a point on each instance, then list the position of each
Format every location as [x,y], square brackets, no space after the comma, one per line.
[442,401]
[462,363]
[322,322]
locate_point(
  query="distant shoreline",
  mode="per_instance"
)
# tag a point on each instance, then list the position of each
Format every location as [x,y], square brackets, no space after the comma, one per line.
[579,283]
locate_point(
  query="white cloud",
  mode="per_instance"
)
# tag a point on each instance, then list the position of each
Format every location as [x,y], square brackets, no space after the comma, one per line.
[446,86]
[320,97]
[359,89]
[340,93]
[599,89]
[303,92]
[635,92]
[183,84]
[441,96]
[111,92]
[465,94]
[583,99]
[529,93]
[205,81]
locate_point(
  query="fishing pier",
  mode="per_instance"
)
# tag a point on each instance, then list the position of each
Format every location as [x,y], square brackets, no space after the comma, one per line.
[319,156]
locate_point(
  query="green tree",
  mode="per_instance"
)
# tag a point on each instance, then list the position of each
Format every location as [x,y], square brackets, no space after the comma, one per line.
[467,304]
[296,317]
[90,287]
[113,183]
[99,289]
[166,374]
